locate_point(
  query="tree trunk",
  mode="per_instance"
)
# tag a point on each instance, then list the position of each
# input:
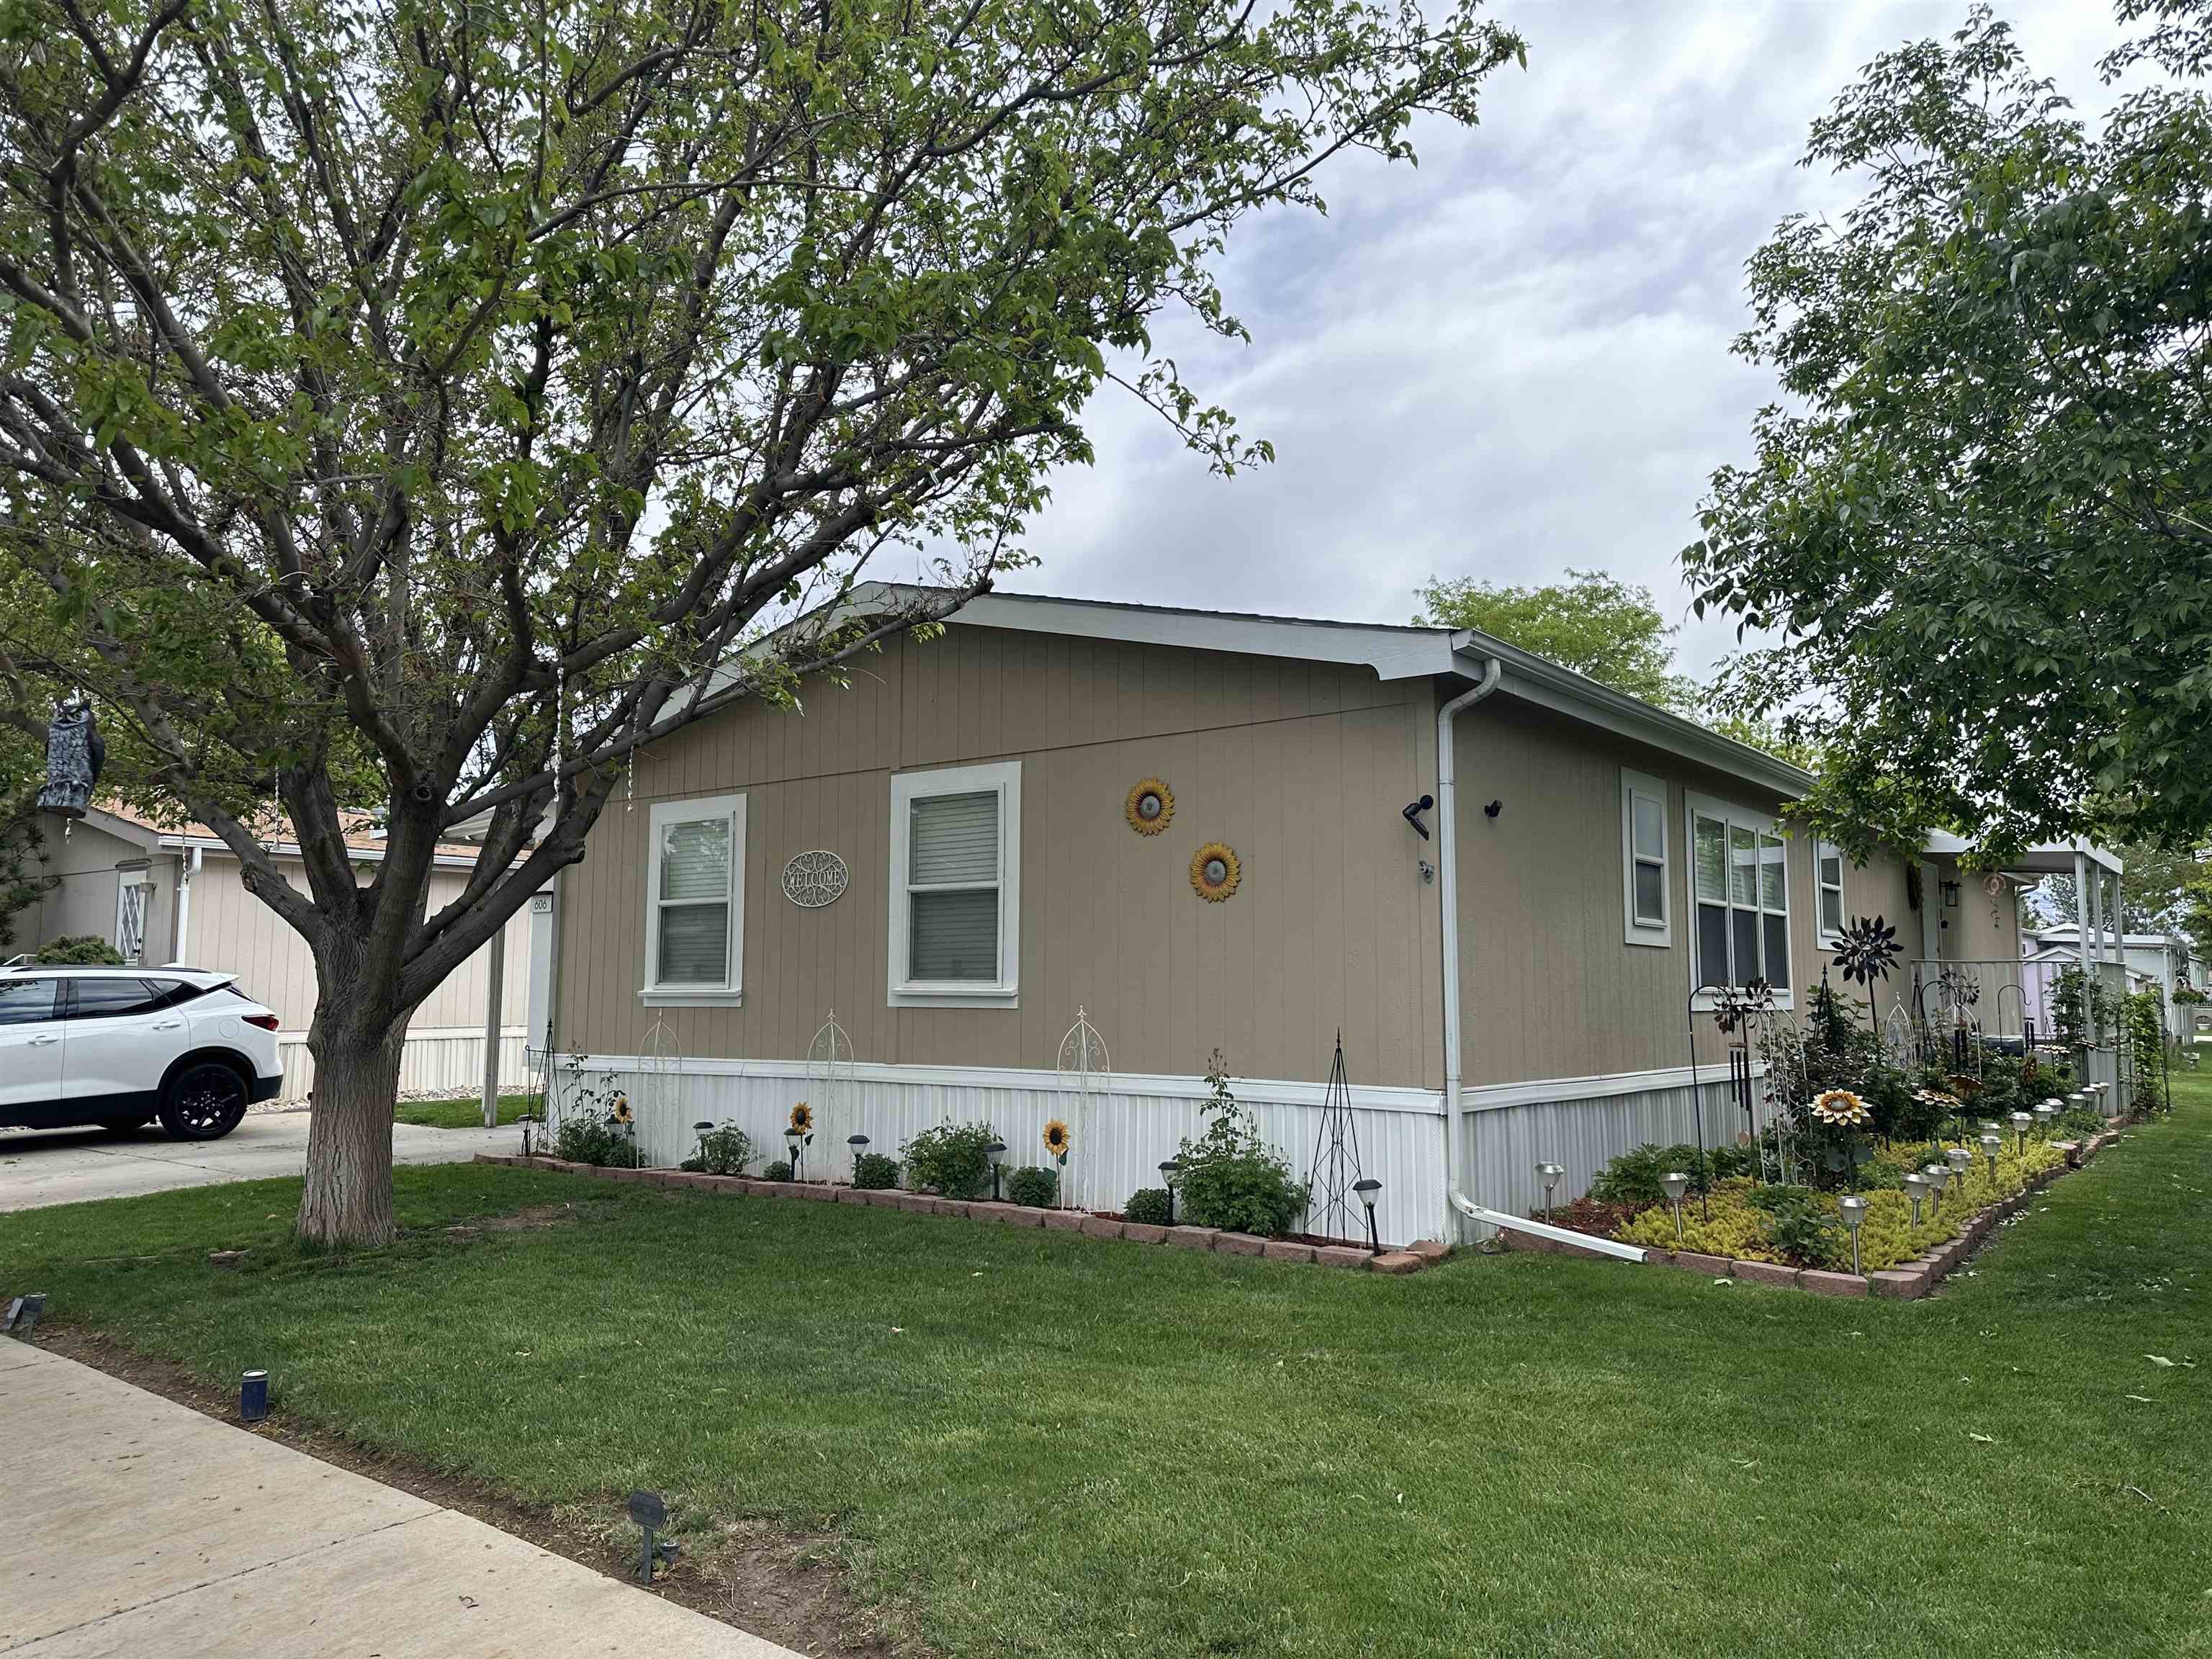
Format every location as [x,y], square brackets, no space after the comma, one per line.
[347,1202]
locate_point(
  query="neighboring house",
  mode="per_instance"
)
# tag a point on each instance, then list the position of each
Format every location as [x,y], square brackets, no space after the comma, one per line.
[2159,962]
[168,896]
[966,846]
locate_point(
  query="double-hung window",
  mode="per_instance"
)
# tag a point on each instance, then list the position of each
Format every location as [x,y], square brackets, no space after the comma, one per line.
[956,886]
[1646,899]
[695,903]
[1741,891]
[1828,884]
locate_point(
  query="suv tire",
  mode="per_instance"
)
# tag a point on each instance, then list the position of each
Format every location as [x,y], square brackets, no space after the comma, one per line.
[203,1102]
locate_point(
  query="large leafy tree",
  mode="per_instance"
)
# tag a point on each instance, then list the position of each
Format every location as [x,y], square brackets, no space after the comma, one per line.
[1981,521]
[1593,623]
[421,404]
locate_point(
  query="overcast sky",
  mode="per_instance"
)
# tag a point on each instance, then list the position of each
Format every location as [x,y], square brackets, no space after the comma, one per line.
[1515,359]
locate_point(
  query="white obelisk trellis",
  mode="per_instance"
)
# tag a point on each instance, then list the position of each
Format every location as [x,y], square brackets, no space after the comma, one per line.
[1087,1072]
[830,1089]
[659,1078]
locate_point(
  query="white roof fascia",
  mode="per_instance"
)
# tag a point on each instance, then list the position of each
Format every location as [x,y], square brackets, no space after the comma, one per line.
[290,849]
[2051,858]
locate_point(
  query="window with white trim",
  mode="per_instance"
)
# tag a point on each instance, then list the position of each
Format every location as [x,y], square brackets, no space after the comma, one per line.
[955,887]
[1646,895]
[695,903]
[1828,888]
[1740,891]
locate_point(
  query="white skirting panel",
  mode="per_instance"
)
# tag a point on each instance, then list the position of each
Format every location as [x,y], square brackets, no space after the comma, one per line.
[1118,1144]
[1504,1143]
[440,1063]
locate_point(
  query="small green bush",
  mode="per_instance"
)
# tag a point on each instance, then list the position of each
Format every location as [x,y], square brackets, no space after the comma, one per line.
[1801,1233]
[952,1160]
[1149,1207]
[725,1150]
[1034,1187]
[1634,1177]
[779,1170]
[875,1172]
[1229,1178]
[593,1140]
[79,951]
[2079,1123]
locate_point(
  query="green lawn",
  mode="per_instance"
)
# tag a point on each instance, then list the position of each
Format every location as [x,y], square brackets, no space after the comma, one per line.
[1027,1442]
[459,1114]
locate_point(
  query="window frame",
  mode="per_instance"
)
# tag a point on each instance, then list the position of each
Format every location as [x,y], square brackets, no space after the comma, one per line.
[1635,931]
[1764,826]
[1005,778]
[57,999]
[695,809]
[1827,936]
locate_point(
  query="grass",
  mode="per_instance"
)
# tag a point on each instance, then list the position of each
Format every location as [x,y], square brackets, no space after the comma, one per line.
[1031,1444]
[466,1113]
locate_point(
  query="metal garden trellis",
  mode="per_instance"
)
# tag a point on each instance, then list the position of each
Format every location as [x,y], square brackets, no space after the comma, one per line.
[1335,1172]
[1086,1070]
[829,1083]
[659,1078]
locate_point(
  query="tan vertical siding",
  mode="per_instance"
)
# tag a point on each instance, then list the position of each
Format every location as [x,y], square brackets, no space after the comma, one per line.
[1301,768]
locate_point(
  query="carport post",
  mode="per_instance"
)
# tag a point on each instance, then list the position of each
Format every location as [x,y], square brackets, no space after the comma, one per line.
[491,1027]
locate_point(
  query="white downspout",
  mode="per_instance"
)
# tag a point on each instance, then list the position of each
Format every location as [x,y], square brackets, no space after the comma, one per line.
[1456,1202]
[192,869]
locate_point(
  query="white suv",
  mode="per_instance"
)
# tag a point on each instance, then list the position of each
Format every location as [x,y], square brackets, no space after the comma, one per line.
[117,1046]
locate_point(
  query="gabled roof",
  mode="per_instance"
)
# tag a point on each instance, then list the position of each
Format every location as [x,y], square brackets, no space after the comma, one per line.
[1393,652]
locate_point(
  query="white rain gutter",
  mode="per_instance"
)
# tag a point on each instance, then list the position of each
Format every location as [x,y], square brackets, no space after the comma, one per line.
[1494,670]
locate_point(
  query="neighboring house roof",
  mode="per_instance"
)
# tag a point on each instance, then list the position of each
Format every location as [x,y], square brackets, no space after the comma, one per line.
[1393,652]
[364,839]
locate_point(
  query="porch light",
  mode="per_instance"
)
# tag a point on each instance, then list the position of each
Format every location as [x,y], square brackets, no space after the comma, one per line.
[1992,1143]
[1170,1175]
[1675,1183]
[1852,1207]
[1550,1175]
[996,1151]
[1369,1190]
[1914,1185]
[2020,1123]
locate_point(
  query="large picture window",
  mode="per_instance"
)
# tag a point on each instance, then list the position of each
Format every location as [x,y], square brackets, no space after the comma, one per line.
[1646,899]
[1742,878]
[956,869]
[695,903]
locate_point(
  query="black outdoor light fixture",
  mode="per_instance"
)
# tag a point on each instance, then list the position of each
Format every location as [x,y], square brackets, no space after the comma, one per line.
[1950,896]
[1369,1190]
[527,1120]
[792,1138]
[650,1511]
[859,1145]
[995,1151]
[1171,1172]
[1412,812]
[702,1128]
[1493,809]
[253,1396]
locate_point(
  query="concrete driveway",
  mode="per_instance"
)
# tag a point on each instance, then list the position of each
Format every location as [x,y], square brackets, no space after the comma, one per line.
[138,1527]
[67,1166]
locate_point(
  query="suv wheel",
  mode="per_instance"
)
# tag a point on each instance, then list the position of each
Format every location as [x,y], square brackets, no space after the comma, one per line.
[203,1102]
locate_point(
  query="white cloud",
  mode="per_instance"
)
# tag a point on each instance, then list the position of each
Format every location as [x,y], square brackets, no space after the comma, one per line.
[1514,358]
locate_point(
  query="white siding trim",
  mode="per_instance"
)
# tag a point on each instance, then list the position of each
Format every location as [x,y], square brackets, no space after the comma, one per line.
[692,810]
[1006,778]
[1660,933]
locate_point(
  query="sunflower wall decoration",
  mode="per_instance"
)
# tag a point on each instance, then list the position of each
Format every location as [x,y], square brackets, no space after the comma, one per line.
[1149,806]
[1215,872]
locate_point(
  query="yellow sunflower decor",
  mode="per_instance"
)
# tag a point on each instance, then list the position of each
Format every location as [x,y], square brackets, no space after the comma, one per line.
[1842,1109]
[802,1118]
[620,1116]
[1214,872]
[1149,806]
[1056,1140]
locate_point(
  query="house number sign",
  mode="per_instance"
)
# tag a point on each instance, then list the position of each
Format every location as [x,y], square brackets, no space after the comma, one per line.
[814,879]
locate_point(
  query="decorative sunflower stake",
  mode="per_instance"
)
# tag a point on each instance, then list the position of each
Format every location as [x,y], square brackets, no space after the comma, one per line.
[1865,952]
[1056,1142]
[798,1135]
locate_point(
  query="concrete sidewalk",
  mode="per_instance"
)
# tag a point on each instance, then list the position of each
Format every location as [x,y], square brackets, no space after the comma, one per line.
[67,1166]
[131,1525]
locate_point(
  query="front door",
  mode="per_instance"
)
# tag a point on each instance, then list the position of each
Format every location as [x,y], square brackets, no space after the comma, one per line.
[121,1039]
[30,1044]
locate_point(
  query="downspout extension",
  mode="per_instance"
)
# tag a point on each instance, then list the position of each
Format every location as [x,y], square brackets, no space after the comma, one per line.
[1456,1202]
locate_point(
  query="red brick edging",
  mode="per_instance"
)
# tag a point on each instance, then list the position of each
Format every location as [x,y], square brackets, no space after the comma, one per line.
[1906,1282]
[1410,1260]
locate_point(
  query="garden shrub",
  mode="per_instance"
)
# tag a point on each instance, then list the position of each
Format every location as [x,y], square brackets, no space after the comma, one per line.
[779,1170]
[1148,1205]
[1634,1177]
[1034,1187]
[2079,1123]
[725,1150]
[1230,1179]
[595,1141]
[1801,1232]
[79,951]
[875,1172]
[952,1160]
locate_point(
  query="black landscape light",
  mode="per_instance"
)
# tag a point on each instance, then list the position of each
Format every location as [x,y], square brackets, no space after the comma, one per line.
[1369,1190]
[253,1396]
[996,1151]
[860,1145]
[1170,1173]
